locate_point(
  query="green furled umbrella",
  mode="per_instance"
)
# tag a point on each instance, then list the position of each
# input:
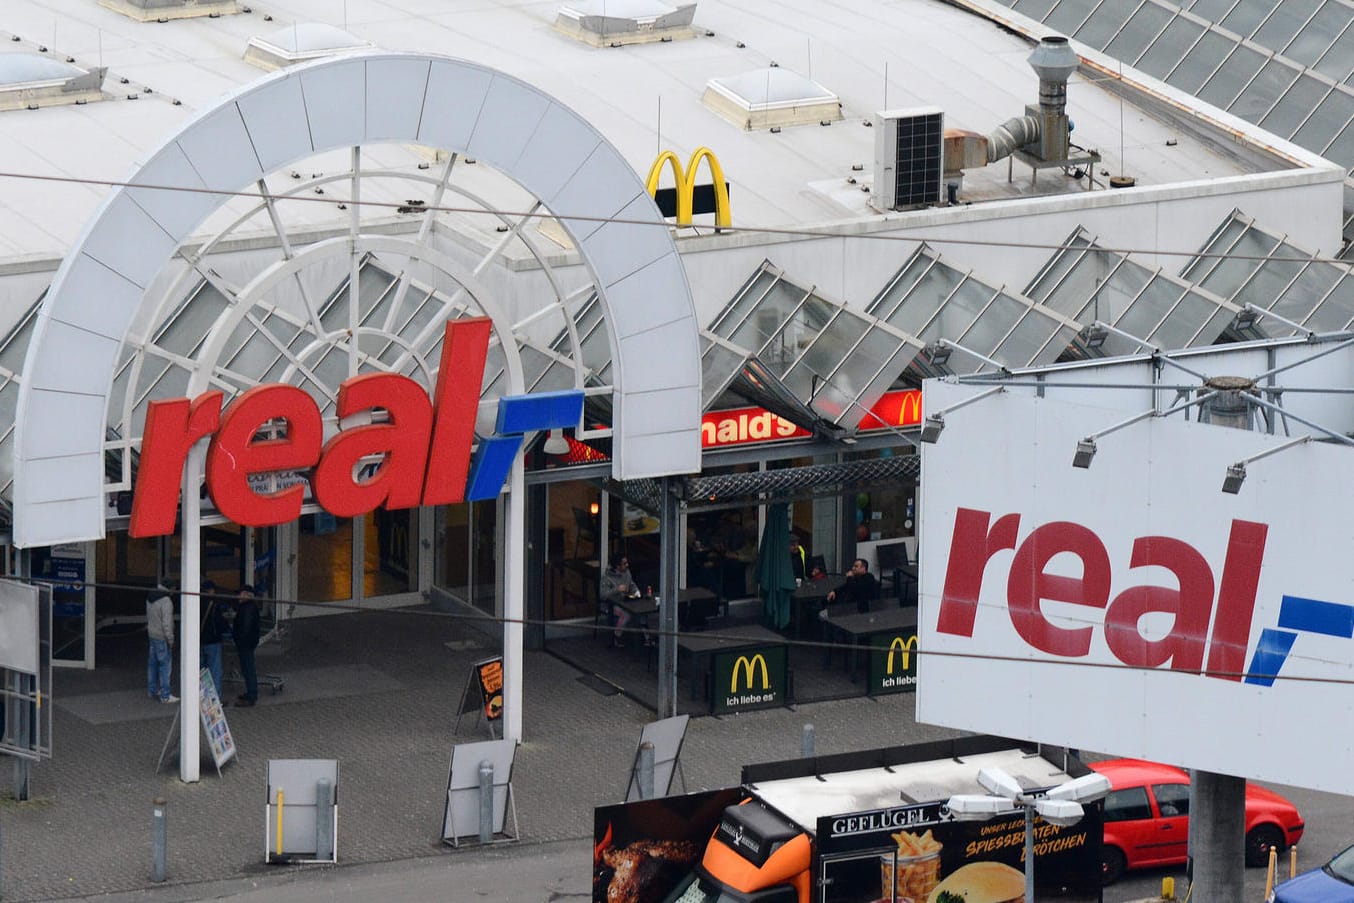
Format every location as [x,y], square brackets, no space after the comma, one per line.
[775,576]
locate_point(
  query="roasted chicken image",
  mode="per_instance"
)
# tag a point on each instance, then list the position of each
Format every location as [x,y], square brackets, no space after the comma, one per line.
[645,869]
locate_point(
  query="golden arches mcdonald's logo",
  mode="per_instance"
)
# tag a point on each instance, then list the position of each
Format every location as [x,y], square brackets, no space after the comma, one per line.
[686,184]
[749,666]
[904,649]
[909,412]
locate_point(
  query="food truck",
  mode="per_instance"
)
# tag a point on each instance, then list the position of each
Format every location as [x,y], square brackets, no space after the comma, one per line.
[867,827]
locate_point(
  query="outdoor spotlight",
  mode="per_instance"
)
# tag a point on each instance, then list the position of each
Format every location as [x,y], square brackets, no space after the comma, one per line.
[555,443]
[1085,452]
[1063,813]
[930,430]
[1246,319]
[1094,336]
[1236,475]
[1085,789]
[938,353]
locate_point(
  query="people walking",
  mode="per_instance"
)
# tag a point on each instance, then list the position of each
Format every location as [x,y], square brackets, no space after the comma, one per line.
[246,633]
[160,656]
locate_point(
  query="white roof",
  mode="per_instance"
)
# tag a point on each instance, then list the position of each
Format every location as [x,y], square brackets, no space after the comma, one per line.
[310,37]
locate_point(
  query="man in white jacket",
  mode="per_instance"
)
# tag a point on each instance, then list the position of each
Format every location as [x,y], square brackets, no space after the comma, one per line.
[159,661]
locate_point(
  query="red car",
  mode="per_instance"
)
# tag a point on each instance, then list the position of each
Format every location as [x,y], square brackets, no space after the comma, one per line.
[1147,818]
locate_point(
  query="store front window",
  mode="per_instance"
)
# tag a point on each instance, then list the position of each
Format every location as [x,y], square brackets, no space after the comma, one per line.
[466,564]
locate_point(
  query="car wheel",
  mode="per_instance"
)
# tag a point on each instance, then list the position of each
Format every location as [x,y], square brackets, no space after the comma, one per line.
[1112,865]
[1260,840]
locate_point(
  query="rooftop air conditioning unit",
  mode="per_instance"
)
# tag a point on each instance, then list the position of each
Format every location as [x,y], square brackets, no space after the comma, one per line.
[909,158]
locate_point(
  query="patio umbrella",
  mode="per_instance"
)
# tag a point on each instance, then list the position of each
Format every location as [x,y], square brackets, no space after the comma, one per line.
[775,577]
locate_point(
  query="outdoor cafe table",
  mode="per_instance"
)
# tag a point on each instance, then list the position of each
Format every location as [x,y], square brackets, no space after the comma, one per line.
[889,640]
[751,651]
[806,601]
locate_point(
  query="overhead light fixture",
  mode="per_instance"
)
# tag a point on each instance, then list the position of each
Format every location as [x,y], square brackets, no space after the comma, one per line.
[935,423]
[1085,452]
[938,353]
[555,443]
[594,508]
[1094,336]
[1236,473]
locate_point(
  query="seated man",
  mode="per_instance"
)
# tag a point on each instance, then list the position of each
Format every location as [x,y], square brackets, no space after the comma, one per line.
[860,587]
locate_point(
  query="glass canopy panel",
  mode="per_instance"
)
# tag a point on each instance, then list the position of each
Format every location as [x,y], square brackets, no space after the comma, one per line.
[1024,342]
[774,309]
[189,325]
[719,365]
[991,327]
[1247,15]
[817,353]
[865,374]
[1330,116]
[1272,81]
[1338,61]
[1297,102]
[957,314]
[1185,326]
[1100,28]
[1306,292]
[924,300]
[1201,61]
[1271,278]
[895,293]
[1170,46]
[1067,15]
[1212,10]
[1284,23]
[1035,9]
[1058,266]
[1094,290]
[1337,311]
[1232,76]
[1341,150]
[257,353]
[1154,302]
[747,298]
[14,348]
[1311,42]
[1138,32]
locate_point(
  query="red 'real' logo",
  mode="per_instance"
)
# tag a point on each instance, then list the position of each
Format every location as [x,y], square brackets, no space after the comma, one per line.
[976,539]
[423,446]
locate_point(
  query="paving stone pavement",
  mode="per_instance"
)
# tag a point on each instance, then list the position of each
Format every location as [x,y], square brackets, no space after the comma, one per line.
[387,714]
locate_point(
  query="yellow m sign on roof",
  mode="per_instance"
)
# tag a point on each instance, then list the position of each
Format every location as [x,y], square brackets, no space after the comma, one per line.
[686,184]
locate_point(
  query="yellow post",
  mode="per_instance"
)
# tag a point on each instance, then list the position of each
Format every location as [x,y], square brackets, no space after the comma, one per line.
[1168,888]
[1293,861]
[278,825]
[1269,871]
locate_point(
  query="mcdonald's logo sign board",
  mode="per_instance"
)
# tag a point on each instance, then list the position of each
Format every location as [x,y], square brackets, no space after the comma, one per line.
[893,662]
[753,678]
[686,198]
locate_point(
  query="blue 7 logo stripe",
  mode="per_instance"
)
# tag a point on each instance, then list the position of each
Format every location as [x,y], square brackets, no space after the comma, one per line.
[518,414]
[1296,615]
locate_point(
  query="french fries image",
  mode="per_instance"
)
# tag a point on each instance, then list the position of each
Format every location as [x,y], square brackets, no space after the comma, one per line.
[910,844]
[918,866]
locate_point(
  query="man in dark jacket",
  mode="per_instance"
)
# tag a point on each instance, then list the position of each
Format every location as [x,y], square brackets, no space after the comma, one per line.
[246,633]
[860,587]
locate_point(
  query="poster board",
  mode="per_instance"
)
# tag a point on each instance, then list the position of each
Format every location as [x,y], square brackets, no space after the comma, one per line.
[666,736]
[483,693]
[214,724]
[461,816]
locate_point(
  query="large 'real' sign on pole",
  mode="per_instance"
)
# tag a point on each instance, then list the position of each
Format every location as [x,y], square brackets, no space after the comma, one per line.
[1132,606]
[418,452]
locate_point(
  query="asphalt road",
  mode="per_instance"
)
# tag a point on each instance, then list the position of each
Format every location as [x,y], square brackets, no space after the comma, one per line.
[1330,828]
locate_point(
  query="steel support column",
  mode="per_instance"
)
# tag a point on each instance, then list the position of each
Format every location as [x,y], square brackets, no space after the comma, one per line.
[514,608]
[669,533]
[1217,836]
[190,614]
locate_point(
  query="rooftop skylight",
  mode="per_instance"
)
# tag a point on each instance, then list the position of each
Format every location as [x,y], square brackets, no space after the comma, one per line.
[770,97]
[609,23]
[299,43]
[30,80]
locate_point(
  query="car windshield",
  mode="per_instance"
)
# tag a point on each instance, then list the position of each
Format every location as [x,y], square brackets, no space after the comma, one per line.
[1342,866]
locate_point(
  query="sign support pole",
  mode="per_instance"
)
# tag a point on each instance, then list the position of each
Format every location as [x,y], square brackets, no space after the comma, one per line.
[514,608]
[190,615]
[669,549]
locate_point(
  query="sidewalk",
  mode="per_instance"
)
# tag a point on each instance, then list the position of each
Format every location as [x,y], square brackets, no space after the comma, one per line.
[377,691]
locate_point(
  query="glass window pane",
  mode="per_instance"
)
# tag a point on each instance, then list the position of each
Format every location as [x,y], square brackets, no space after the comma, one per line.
[1288,17]
[773,310]
[1069,14]
[742,304]
[921,305]
[1324,124]
[1341,150]
[1201,61]
[1045,281]
[1214,328]
[958,313]
[1035,9]
[1338,61]
[1306,292]
[1103,23]
[829,348]
[1029,336]
[892,294]
[1151,307]
[1264,89]
[990,328]
[1294,106]
[1247,16]
[1231,77]
[1127,805]
[1226,277]
[1270,280]
[1183,323]
[1167,49]
[1212,10]
[1138,32]
[1317,34]
[1337,310]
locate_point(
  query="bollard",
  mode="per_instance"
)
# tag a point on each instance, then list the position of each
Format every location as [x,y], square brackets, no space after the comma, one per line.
[1168,888]
[158,841]
[806,742]
[1269,871]
[1293,861]
[324,820]
[646,770]
[486,801]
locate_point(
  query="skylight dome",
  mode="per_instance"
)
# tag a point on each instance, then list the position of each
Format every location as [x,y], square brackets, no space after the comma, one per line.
[30,80]
[299,43]
[771,97]
[609,23]
[164,10]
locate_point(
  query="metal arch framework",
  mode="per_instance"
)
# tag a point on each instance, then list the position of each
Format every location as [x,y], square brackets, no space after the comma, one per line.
[335,104]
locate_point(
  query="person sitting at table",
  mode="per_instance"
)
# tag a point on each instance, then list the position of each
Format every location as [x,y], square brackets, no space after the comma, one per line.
[617,586]
[860,587]
[816,572]
[798,558]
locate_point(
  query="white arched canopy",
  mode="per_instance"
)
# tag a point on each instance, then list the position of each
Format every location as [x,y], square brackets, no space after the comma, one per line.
[452,105]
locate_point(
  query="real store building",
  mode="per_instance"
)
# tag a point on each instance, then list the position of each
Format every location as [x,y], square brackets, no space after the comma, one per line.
[326,223]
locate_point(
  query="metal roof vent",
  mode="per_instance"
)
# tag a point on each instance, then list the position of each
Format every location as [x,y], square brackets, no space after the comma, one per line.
[29,80]
[164,10]
[300,43]
[611,23]
[770,98]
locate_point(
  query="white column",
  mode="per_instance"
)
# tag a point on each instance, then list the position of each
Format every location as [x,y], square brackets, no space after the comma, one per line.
[190,615]
[514,601]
